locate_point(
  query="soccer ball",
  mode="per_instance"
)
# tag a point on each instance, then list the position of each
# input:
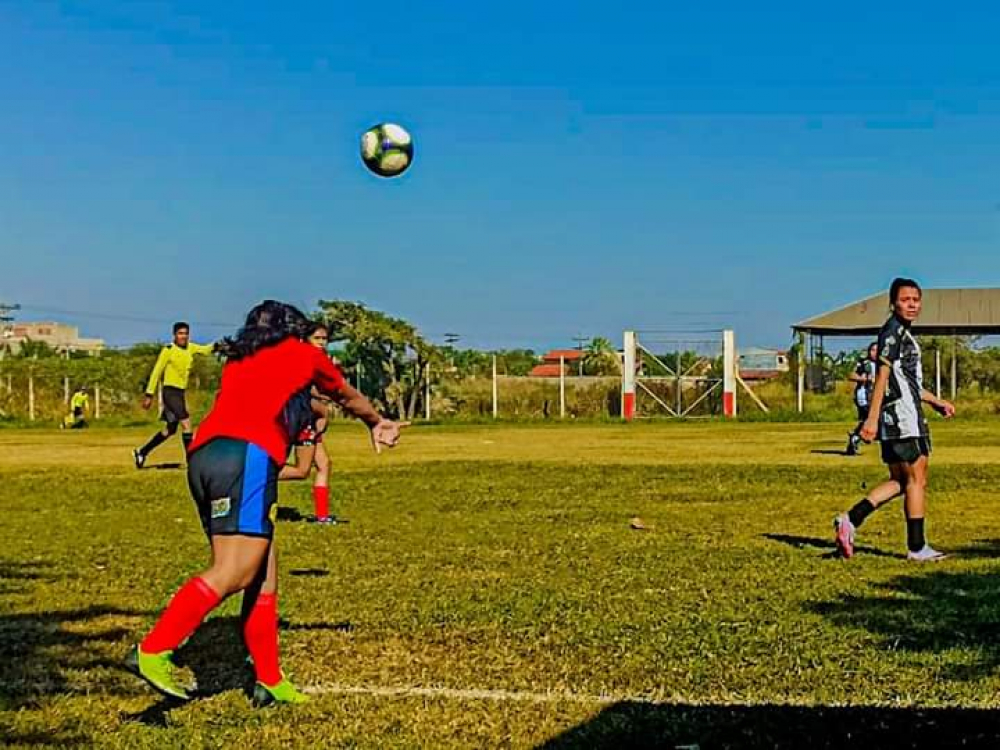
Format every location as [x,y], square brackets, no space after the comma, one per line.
[387,149]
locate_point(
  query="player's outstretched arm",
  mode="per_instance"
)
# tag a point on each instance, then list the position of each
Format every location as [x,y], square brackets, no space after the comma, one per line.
[384,432]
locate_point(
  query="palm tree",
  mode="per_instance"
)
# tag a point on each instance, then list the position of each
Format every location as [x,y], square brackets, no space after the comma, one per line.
[600,358]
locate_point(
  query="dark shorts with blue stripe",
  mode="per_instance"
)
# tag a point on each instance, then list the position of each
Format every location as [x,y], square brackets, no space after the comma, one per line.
[235,486]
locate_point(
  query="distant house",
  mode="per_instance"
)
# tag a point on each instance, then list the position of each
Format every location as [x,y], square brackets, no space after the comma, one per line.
[550,367]
[59,336]
[762,364]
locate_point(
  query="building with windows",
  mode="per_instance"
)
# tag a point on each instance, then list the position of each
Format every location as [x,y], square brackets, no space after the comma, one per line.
[60,336]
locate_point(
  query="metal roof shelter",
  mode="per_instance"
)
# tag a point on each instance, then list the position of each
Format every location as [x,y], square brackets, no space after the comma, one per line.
[946,312]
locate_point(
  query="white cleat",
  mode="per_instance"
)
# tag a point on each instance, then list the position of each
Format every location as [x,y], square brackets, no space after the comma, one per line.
[927,554]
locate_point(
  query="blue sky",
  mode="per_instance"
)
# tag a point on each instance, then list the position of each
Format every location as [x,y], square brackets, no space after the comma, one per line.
[579,170]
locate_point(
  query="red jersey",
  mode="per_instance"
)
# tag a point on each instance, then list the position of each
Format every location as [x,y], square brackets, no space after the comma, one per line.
[255,389]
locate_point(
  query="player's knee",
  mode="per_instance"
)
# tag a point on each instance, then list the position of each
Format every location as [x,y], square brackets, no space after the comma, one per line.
[233,580]
[171,428]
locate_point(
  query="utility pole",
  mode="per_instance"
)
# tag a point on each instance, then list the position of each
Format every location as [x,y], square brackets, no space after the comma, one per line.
[580,341]
[450,339]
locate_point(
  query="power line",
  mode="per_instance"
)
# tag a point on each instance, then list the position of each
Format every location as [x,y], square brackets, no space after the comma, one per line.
[122,318]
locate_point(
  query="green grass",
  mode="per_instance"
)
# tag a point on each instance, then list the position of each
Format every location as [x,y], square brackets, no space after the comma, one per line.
[501,558]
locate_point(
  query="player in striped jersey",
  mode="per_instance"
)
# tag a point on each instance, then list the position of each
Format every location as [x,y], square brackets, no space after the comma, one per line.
[896,416]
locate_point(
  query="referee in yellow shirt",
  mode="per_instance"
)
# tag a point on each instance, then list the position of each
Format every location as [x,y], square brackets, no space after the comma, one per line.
[173,367]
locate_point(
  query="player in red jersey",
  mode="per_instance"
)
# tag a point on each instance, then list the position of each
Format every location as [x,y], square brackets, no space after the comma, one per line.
[233,469]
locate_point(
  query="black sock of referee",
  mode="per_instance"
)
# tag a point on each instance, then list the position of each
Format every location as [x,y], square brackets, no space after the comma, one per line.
[157,439]
[915,534]
[187,437]
[860,511]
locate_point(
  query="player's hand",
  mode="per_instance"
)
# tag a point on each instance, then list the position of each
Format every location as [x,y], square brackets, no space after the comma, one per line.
[945,408]
[147,401]
[386,434]
[869,430]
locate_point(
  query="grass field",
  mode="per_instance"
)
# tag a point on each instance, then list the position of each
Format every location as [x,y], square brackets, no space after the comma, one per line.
[489,592]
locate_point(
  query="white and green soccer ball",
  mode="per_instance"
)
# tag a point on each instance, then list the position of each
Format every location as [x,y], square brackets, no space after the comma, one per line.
[387,149]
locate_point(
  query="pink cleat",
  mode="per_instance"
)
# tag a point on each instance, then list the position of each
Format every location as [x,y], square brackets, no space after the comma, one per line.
[844,531]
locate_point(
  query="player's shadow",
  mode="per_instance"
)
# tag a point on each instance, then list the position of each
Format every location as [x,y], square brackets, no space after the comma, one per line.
[933,611]
[803,542]
[643,725]
[217,655]
[292,515]
[309,572]
[831,452]
[169,466]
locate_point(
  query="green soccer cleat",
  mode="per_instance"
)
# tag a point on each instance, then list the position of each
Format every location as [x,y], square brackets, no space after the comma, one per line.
[158,671]
[283,692]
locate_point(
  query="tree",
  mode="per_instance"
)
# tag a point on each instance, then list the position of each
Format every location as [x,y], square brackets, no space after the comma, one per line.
[601,358]
[35,350]
[391,355]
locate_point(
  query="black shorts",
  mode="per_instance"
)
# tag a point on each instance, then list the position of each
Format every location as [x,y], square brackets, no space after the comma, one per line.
[235,486]
[300,421]
[174,407]
[905,451]
[78,412]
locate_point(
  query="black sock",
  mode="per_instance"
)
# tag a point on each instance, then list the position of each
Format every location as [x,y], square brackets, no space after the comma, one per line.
[915,534]
[861,511]
[187,437]
[154,441]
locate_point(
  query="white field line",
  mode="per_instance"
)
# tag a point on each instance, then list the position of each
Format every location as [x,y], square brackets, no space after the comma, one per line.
[472,694]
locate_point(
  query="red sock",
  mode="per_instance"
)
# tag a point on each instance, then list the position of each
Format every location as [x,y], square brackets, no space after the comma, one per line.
[260,633]
[190,605]
[321,499]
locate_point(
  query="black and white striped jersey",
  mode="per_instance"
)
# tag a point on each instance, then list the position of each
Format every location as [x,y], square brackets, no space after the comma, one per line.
[865,368]
[902,412]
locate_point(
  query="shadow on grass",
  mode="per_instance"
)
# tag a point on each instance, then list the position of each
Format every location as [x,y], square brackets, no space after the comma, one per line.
[801,542]
[309,572]
[832,452]
[290,514]
[165,466]
[987,549]
[13,738]
[14,576]
[639,725]
[217,657]
[37,649]
[931,612]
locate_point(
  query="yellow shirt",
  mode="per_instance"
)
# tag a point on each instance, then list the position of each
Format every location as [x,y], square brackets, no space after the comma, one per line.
[174,366]
[80,400]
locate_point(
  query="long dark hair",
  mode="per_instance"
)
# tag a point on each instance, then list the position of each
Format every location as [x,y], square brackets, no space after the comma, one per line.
[269,323]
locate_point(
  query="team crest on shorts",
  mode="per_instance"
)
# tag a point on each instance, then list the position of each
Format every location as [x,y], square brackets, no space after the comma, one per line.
[220,507]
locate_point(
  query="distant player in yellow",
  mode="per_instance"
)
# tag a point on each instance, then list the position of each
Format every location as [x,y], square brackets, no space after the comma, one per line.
[173,367]
[79,405]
